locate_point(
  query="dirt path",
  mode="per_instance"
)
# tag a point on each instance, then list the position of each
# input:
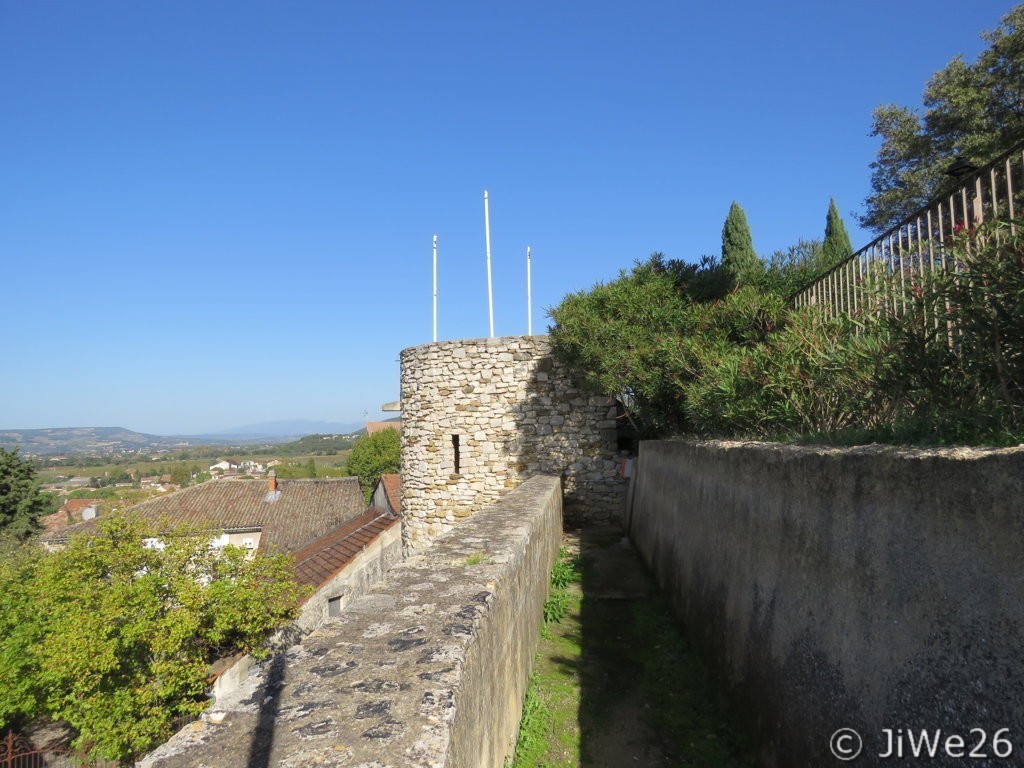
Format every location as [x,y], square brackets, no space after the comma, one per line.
[615,682]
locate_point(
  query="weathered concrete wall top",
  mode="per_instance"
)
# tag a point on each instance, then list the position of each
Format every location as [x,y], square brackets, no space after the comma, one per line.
[869,588]
[481,415]
[429,669]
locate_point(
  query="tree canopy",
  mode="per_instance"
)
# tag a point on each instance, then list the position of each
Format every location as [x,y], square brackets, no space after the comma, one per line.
[973,111]
[21,502]
[747,365]
[115,637]
[738,254]
[374,455]
[836,245]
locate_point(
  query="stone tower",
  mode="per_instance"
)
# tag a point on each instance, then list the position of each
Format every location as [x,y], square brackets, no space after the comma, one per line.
[479,416]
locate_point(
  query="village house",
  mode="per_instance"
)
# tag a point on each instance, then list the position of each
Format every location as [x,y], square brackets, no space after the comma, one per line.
[279,516]
[387,494]
[71,512]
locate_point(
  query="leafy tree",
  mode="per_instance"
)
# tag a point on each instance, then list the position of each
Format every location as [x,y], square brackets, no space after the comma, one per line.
[19,633]
[21,502]
[738,254]
[311,467]
[375,455]
[621,339]
[971,111]
[181,475]
[115,638]
[836,245]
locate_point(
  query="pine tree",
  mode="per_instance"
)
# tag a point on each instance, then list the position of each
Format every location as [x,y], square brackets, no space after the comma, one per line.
[21,502]
[971,111]
[837,242]
[738,254]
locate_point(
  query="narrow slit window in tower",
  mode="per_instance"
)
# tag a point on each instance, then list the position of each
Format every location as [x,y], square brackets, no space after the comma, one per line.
[455,450]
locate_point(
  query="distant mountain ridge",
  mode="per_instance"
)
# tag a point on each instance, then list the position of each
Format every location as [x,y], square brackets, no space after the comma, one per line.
[64,440]
[60,441]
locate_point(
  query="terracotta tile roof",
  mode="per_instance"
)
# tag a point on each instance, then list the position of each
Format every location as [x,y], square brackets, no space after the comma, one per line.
[69,514]
[75,506]
[301,511]
[393,490]
[319,562]
[380,426]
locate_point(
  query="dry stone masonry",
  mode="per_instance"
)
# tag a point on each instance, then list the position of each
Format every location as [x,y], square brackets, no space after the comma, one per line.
[479,416]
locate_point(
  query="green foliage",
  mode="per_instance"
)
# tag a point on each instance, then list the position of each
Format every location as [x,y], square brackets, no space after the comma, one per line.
[787,271]
[375,455]
[566,571]
[317,444]
[181,475]
[622,338]
[836,245]
[614,667]
[296,469]
[21,502]
[954,364]
[947,367]
[971,111]
[811,375]
[738,254]
[115,637]
[19,632]
[534,730]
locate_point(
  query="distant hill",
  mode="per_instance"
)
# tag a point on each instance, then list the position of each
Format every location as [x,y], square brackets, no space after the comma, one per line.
[101,441]
[93,440]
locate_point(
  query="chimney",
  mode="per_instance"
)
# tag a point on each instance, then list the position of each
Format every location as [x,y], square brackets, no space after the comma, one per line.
[273,481]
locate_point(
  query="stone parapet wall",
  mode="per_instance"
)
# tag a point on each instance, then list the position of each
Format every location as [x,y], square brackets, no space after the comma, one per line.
[515,411]
[355,579]
[864,588]
[429,669]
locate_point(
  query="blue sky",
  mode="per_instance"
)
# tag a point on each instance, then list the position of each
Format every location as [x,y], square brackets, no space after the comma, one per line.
[220,213]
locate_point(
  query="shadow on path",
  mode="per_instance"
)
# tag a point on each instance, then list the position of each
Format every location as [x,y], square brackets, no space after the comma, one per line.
[263,737]
[646,699]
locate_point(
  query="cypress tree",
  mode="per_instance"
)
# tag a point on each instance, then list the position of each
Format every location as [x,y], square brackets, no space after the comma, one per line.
[837,242]
[738,255]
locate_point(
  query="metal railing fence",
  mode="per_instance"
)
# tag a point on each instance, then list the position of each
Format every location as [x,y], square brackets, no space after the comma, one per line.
[919,242]
[17,751]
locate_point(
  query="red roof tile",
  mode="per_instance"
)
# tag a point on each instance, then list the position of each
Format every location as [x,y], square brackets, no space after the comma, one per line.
[75,506]
[393,490]
[319,562]
[299,513]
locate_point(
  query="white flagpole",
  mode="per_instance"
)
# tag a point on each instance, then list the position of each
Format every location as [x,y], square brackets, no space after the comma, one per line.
[529,298]
[487,237]
[435,288]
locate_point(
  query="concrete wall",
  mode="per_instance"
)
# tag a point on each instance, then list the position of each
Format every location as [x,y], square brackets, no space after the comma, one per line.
[516,412]
[429,669]
[867,588]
